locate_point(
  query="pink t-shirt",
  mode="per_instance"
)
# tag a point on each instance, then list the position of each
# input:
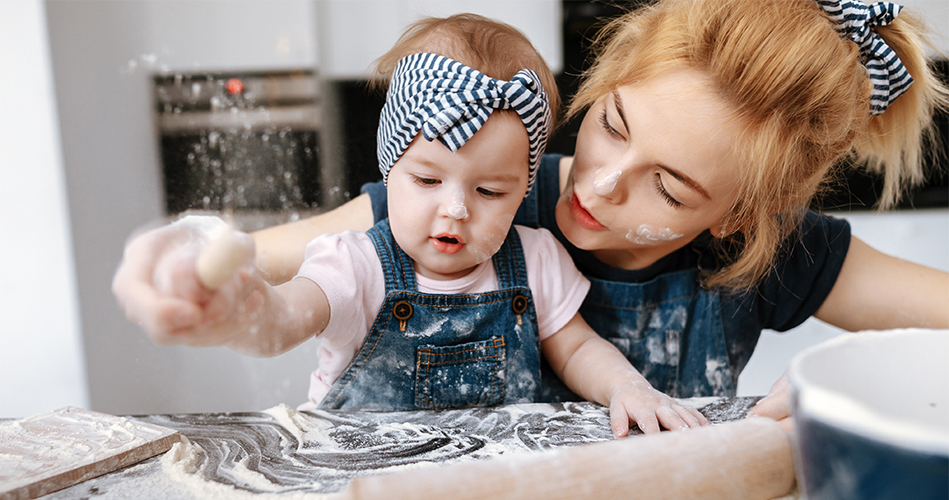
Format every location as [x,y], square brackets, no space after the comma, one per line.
[337,262]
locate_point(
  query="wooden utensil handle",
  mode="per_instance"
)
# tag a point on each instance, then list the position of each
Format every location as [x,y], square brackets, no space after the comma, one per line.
[226,251]
[747,459]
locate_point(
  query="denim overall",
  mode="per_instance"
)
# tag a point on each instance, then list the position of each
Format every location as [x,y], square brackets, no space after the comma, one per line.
[427,351]
[670,329]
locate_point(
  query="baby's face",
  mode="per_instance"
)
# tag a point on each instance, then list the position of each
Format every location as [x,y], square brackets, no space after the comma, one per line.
[451,211]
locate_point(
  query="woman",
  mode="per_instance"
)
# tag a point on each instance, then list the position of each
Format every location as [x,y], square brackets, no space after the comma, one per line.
[709,127]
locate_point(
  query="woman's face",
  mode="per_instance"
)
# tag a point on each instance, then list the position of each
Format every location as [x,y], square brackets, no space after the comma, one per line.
[654,167]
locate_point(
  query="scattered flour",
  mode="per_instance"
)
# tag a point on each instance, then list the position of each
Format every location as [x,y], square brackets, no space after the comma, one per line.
[184,465]
[282,453]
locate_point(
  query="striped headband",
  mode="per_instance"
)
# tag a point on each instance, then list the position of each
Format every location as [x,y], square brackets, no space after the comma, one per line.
[448,101]
[854,20]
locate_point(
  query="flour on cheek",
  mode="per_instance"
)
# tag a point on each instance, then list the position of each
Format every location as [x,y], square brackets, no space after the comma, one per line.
[646,234]
[493,238]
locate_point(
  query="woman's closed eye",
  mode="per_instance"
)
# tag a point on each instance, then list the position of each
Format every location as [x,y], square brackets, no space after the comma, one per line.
[674,203]
[605,122]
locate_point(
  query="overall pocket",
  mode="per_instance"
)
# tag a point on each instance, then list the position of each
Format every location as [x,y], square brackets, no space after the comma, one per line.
[469,374]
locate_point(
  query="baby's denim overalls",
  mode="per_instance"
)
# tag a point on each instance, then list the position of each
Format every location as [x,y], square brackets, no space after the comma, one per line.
[427,351]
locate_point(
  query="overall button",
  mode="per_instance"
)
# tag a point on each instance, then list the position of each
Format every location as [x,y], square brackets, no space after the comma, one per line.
[402,311]
[519,305]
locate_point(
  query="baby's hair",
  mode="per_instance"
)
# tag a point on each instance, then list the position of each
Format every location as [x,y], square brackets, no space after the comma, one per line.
[800,97]
[491,47]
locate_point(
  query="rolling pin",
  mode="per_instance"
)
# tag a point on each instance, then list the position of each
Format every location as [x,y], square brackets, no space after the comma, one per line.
[226,251]
[746,459]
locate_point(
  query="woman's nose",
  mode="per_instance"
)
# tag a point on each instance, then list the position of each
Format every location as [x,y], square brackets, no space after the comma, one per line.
[606,182]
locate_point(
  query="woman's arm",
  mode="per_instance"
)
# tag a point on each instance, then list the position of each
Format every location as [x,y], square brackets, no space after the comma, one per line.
[875,291]
[280,248]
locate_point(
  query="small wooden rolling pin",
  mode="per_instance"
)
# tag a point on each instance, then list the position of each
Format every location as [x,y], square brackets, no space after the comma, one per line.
[226,251]
[746,459]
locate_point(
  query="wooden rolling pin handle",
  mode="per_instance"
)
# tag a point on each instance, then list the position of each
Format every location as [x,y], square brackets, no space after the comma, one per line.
[746,459]
[226,251]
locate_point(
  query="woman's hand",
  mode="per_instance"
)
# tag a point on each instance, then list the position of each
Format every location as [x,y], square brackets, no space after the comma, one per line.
[636,401]
[777,404]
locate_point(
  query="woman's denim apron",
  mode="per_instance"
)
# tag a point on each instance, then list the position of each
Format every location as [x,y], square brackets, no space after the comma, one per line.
[670,329]
[428,351]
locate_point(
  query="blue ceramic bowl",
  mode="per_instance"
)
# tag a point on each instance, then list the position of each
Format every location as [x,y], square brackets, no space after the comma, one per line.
[872,416]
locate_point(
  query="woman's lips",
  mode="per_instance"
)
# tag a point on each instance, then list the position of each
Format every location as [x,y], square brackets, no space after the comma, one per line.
[582,216]
[447,243]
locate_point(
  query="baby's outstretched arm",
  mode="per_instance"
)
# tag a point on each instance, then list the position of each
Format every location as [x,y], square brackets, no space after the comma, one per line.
[597,371]
[176,282]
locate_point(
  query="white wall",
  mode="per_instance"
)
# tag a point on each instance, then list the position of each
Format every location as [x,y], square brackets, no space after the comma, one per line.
[935,13]
[39,330]
[344,24]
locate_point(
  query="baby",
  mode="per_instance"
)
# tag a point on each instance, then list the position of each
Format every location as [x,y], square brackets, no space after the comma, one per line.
[444,304]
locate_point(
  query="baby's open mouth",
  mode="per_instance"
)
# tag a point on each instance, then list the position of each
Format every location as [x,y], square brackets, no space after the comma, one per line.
[447,243]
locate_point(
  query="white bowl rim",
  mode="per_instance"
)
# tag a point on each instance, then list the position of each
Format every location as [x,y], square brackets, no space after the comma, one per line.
[852,416]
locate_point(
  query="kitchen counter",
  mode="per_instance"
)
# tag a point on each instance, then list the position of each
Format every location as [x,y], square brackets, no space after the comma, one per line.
[288,454]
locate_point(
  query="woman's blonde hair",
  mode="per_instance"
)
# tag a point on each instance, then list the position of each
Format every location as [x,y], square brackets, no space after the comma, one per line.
[494,48]
[801,101]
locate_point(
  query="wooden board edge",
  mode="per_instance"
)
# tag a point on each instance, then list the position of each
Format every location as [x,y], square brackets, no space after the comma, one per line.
[73,477]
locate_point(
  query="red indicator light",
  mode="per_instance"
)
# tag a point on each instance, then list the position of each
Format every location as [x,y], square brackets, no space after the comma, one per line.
[234,86]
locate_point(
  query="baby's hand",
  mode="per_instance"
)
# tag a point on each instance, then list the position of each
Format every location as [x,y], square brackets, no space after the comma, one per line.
[159,287]
[637,401]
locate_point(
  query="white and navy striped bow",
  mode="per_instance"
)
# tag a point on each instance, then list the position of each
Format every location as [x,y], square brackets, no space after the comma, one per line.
[448,101]
[854,20]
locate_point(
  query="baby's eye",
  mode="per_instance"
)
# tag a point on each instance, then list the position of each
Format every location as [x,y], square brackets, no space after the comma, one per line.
[425,181]
[488,193]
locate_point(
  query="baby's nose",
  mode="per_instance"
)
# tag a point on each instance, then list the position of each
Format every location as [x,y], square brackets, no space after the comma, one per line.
[456,208]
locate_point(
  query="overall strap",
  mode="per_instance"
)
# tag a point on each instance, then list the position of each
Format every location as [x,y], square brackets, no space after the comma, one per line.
[397,266]
[509,262]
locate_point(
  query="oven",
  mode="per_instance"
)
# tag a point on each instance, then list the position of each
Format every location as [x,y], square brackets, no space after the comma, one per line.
[246,144]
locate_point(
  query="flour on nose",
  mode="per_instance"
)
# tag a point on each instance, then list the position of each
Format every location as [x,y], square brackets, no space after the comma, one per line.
[458,210]
[606,185]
